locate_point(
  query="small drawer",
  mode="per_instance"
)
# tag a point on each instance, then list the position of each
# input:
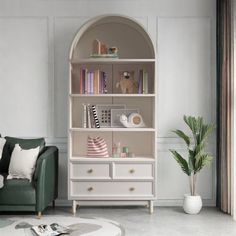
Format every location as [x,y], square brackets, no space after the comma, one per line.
[129,171]
[111,189]
[86,171]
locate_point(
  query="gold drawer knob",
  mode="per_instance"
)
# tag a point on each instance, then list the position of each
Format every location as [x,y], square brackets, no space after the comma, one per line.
[90,171]
[90,189]
[131,189]
[131,171]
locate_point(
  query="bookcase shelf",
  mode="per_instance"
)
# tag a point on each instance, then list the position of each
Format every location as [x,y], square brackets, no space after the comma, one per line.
[113,129]
[79,159]
[111,61]
[113,95]
[93,82]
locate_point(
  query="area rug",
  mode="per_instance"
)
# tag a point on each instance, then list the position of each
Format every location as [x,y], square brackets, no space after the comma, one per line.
[79,226]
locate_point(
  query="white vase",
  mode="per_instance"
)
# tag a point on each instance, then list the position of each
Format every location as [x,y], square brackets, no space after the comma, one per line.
[192,204]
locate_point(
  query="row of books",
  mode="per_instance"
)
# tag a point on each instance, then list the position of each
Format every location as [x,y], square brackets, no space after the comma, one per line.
[94,82]
[90,116]
[143,82]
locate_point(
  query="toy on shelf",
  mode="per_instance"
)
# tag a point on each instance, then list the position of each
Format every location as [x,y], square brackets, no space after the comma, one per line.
[101,50]
[134,120]
[116,150]
[127,82]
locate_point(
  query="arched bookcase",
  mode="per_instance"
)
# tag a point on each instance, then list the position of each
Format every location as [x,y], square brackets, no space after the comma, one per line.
[130,179]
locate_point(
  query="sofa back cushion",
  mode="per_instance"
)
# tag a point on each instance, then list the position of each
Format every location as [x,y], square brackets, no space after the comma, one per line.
[2,144]
[24,144]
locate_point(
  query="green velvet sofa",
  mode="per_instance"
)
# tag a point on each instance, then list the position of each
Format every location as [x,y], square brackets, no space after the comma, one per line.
[21,194]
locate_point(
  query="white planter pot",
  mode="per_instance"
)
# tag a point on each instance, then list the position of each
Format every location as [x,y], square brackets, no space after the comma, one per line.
[192,204]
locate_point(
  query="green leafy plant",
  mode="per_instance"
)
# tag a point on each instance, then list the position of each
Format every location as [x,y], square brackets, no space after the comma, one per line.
[197,157]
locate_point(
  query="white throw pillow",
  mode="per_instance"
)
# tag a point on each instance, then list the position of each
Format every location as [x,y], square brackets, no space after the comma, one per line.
[2,143]
[22,164]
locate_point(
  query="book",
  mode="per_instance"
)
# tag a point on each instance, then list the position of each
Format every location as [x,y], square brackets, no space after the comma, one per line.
[81,81]
[50,230]
[91,117]
[88,117]
[140,82]
[104,90]
[84,118]
[95,116]
[89,82]
[145,82]
[94,82]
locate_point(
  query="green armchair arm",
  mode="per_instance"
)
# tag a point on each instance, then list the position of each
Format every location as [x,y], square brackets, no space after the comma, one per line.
[46,178]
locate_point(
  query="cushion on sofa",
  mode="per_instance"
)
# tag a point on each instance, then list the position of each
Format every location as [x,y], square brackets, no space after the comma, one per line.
[18,192]
[24,143]
[2,144]
[22,163]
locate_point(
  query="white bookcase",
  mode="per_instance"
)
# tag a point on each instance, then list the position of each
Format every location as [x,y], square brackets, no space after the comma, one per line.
[130,180]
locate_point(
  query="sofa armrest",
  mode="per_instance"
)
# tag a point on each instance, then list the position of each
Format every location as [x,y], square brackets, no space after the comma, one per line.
[46,177]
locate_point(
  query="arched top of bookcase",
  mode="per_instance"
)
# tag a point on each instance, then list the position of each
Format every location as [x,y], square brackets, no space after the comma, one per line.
[131,39]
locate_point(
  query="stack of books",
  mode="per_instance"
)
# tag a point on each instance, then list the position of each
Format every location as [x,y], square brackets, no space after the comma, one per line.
[143,82]
[90,116]
[94,82]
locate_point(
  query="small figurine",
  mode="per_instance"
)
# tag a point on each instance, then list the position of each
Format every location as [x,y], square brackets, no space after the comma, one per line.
[127,82]
[100,49]
[104,48]
[113,50]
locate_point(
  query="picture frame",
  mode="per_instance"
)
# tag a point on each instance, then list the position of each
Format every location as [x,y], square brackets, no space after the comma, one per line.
[116,113]
[104,113]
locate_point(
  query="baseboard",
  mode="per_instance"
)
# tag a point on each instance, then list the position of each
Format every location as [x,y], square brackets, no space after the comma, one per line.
[160,202]
[179,202]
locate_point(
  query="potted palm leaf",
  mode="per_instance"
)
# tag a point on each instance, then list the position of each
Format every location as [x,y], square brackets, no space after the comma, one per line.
[196,160]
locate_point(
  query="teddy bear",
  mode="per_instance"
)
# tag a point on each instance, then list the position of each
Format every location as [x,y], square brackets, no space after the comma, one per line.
[127,83]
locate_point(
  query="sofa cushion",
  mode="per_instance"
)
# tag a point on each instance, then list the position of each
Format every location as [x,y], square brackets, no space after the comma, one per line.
[2,144]
[24,143]
[22,163]
[17,192]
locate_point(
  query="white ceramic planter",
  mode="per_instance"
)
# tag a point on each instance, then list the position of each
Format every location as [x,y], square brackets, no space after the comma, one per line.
[192,204]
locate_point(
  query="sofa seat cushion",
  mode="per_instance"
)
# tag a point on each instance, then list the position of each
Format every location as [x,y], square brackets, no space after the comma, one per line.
[17,192]
[24,144]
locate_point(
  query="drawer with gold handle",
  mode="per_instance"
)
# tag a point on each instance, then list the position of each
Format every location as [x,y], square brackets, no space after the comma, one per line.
[133,171]
[93,170]
[131,189]
[90,171]
[90,189]
[109,189]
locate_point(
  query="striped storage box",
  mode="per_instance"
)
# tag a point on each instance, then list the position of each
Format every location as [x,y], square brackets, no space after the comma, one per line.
[97,147]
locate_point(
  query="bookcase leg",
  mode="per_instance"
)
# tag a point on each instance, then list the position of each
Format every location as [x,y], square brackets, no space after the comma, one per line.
[74,207]
[151,207]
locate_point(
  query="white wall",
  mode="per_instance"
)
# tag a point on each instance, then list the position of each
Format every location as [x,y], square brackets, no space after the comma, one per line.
[35,36]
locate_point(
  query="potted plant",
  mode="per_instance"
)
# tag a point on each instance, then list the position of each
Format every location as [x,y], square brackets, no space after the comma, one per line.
[196,160]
